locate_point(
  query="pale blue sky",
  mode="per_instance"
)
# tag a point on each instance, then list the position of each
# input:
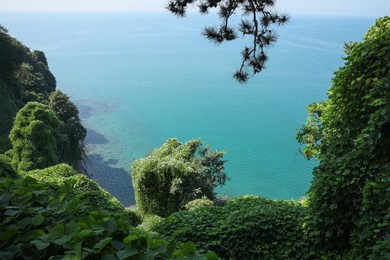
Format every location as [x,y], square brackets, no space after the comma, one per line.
[315,7]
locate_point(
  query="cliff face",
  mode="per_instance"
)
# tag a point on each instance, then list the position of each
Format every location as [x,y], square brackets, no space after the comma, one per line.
[25,77]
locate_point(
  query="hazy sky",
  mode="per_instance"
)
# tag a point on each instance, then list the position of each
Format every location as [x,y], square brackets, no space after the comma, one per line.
[315,7]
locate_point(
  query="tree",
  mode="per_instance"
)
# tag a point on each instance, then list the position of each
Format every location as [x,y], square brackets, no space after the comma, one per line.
[42,67]
[256,22]
[175,174]
[71,133]
[349,134]
[62,107]
[33,139]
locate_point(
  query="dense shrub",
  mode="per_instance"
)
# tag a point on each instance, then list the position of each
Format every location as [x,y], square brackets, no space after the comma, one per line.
[135,218]
[149,222]
[175,174]
[248,227]
[350,134]
[199,203]
[37,222]
[92,195]
[12,54]
[6,169]
[34,145]
[8,107]
[62,107]
[71,132]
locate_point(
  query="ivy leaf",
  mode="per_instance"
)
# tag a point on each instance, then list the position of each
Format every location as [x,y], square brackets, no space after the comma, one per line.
[37,220]
[11,212]
[56,231]
[84,233]
[40,245]
[188,248]
[129,239]
[7,234]
[62,240]
[102,243]
[72,228]
[126,253]
[212,256]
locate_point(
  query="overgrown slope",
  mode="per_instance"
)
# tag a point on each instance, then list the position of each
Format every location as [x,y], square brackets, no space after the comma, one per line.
[25,77]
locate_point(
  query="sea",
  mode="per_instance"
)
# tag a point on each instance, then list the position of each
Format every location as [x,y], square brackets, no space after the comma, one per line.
[141,78]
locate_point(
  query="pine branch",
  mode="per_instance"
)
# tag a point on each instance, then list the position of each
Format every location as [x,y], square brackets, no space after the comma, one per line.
[258,28]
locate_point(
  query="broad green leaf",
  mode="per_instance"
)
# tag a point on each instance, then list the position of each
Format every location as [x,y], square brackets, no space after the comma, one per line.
[62,240]
[102,243]
[72,228]
[7,234]
[37,220]
[56,231]
[126,253]
[129,239]
[11,212]
[84,233]
[40,245]
[188,248]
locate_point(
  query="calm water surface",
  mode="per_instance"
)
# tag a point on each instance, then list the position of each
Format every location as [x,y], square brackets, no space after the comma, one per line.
[139,79]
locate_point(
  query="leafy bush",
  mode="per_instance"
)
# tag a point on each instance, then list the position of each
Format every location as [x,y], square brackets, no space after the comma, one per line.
[8,107]
[92,195]
[71,132]
[33,138]
[371,238]
[135,218]
[39,223]
[350,134]
[175,174]
[149,222]
[248,227]
[199,203]
[6,169]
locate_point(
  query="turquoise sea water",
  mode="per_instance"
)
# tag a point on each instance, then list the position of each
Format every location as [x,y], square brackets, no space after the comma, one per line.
[141,78]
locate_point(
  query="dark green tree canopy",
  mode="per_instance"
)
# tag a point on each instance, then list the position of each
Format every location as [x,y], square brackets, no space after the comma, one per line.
[175,174]
[257,19]
[71,133]
[62,107]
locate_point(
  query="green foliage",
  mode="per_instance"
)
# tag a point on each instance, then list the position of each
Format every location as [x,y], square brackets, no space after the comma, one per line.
[199,203]
[350,134]
[149,222]
[8,107]
[39,56]
[371,237]
[312,133]
[33,138]
[25,77]
[6,169]
[12,54]
[92,195]
[135,218]
[62,107]
[34,84]
[248,227]
[71,132]
[175,174]
[40,223]
[19,65]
